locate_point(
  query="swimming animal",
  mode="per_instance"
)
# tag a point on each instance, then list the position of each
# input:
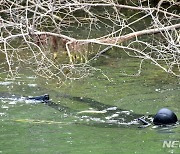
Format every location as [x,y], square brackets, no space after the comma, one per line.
[43,98]
[163,117]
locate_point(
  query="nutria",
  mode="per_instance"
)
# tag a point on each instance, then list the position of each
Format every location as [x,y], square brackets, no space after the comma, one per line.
[43,98]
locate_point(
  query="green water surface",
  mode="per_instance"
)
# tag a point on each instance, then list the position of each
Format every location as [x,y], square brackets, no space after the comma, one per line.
[39,128]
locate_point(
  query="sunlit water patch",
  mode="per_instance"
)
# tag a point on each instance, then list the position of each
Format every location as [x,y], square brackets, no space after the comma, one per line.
[5,83]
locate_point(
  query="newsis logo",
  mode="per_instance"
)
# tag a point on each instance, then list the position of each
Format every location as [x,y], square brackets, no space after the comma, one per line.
[171,144]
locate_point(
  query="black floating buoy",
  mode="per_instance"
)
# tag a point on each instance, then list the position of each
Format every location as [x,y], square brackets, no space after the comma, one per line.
[165,117]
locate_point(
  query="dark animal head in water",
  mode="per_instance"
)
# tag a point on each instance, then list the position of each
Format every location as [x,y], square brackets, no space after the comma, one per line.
[165,117]
[42,98]
[46,97]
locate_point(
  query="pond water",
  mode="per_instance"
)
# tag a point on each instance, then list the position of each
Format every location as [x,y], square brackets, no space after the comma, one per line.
[92,115]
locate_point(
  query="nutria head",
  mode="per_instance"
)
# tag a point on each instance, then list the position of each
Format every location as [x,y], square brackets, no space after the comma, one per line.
[165,117]
[45,97]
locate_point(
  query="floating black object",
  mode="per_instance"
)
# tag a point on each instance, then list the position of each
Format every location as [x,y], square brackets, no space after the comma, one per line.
[43,98]
[165,117]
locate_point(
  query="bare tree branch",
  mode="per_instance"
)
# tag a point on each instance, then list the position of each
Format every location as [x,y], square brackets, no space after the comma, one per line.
[60,38]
